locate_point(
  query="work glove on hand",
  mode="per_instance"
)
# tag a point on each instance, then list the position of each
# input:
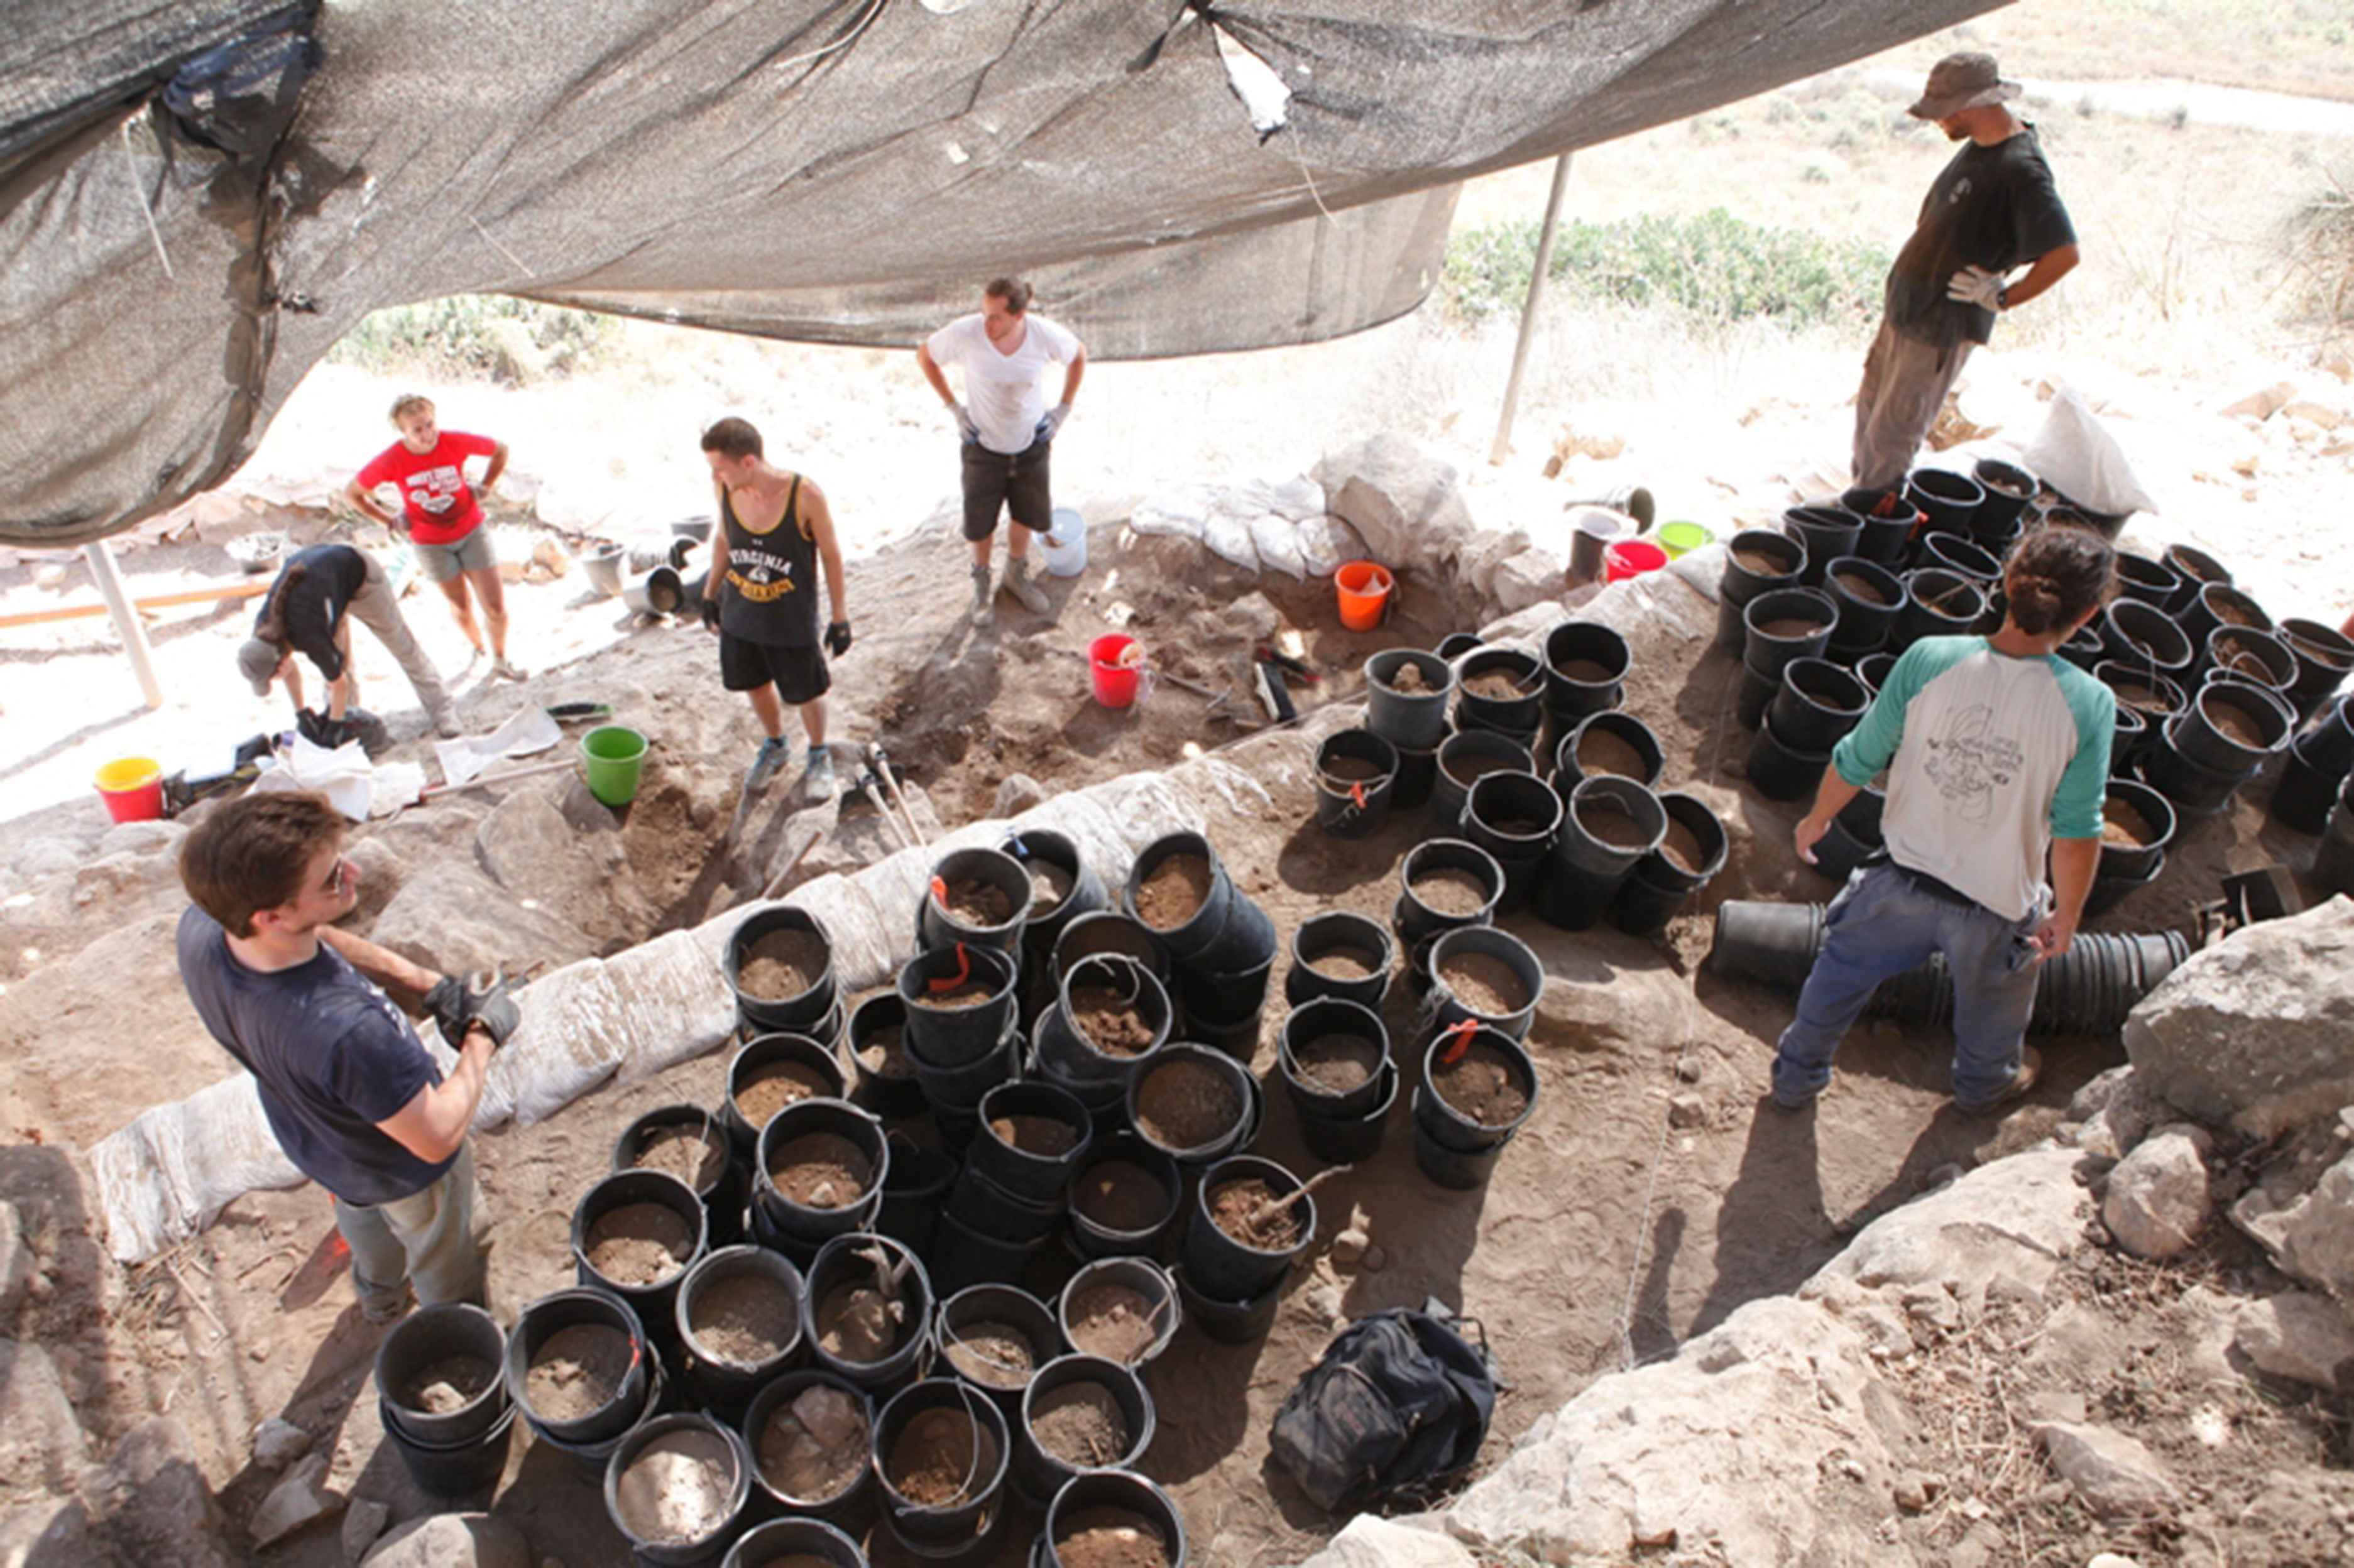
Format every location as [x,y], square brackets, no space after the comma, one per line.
[837,638]
[966,429]
[1054,421]
[710,611]
[447,1004]
[320,730]
[495,1012]
[1976,286]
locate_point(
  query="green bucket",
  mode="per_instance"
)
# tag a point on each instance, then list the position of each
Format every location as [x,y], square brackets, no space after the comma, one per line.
[616,756]
[1676,538]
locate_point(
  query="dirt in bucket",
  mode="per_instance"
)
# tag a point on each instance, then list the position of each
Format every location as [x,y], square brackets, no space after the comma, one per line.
[1859,588]
[1043,1135]
[639,1244]
[2234,722]
[676,1490]
[695,1155]
[1787,627]
[1608,822]
[1049,886]
[995,1355]
[1174,892]
[1186,1104]
[1111,1019]
[1587,672]
[1346,964]
[976,902]
[1113,1321]
[2121,824]
[956,998]
[2231,613]
[771,1087]
[1254,1213]
[2141,698]
[860,1320]
[577,1371]
[746,1318]
[822,1170]
[1338,1062]
[1500,685]
[1760,563]
[1484,983]
[1450,891]
[1110,1538]
[1681,846]
[1081,1425]
[1480,1084]
[885,1055]
[1121,1196]
[1602,751]
[812,1448]
[1409,681]
[942,1458]
[1469,771]
[449,1385]
[781,964]
[1352,769]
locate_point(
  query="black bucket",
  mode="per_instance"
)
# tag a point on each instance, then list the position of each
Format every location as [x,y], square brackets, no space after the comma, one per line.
[1585,668]
[972,1515]
[2333,863]
[1111,933]
[2304,794]
[990,875]
[1142,1332]
[1756,561]
[914,1188]
[1872,670]
[1454,873]
[2151,695]
[2140,637]
[1513,816]
[2083,647]
[1223,1267]
[1348,1139]
[802,1224]
[1455,644]
[1418,774]
[1340,955]
[796,1541]
[1191,931]
[1354,771]
[2219,604]
[739,1316]
[1123,1198]
[1121,1498]
[1605,746]
[1951,499]
[1665,880]
[1937,603]
[1115,1391]
[2327,742]
[850,1262]
[1782,772]
[2197,793]
[1410,719]
[425,1341]
[1818,703]
[1756,695]
[1246,942]
[2110,889]
[799,1416]
[1464,964]
[2006,489]
[624,1359]
[461,1470]
[658,592]
[1965,558]
[2323,656]
[1037,1164]
[2152,582]
[1184,1063]
[963,1256]
[1870,597]
[2243,653]
[1516,705]
[886,1082]
[651,1500]
[1772,944]
[945,1038]
[798,1067]
[954,1092]
[1464,758]
[1000,1370]
[1610,824]
[1452,1146]
[2194,570]
[1826,532]
[1244,1323]
[800,939]
[1062,885]
[1333,1033]
[2230,726]
[1840,851]
[1097,1072]
[695,1146]
[657,1193]
[2144,823]
[1889,522]
[1786,624]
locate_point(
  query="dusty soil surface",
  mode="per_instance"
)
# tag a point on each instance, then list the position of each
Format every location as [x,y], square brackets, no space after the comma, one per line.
[676,1490]
[1043,1135]
[1480,1083]
[1111,1019]
[449,1384]
[1112,1321]
[1185,1105]
[1080,1423]
[746,1318]
[1339,1063]
[939,1457]
[1110,1538]
[822,1170]
[781,964]
[858,1323]
[767,1089]
[815,1446]
[995,1353]
[578,1372]
[639,1244]
[696,1156]
[1484,983]
[1119,1196]
[1253,1213]
[1174,892]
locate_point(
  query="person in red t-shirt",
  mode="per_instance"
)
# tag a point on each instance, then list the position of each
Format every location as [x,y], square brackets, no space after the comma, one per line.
[440,516]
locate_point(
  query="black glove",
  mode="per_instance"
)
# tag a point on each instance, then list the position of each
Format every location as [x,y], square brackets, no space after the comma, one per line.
[837,638]
[320,730]
[447,1002]
[710,615]
[495,1013]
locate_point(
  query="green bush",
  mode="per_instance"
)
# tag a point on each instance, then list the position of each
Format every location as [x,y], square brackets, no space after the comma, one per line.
[1713,269]
[482,334]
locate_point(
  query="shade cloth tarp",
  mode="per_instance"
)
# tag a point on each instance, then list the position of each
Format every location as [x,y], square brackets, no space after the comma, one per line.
[840,171]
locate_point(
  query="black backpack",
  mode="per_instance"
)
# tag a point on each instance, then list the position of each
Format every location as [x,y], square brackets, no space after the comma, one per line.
[1395,1407]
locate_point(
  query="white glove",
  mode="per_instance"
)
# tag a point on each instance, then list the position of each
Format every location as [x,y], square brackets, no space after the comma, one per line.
[965,427]
[1976,286]
[1054,421]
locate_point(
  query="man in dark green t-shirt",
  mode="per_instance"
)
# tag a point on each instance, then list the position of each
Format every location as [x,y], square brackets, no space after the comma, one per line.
[1993,210]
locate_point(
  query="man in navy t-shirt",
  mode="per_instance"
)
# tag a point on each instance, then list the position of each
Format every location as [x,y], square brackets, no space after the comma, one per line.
[356,1100]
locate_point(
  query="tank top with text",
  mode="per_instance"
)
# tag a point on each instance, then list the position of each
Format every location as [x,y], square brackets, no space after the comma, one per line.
[774,575]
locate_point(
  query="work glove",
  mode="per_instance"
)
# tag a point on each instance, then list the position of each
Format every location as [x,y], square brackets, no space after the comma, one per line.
[495,1012]
[966,429]
[837,638]
[446,1003]
[320,730]
[1976,286]
[710,611]
[1053,422]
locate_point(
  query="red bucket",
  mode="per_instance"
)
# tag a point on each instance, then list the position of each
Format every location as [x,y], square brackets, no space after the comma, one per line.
[132,788]
[1116,671]
[1632,558]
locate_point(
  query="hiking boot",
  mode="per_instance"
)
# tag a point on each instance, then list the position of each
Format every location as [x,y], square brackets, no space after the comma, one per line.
[392,1308]
[1019,584]
[984,609]
[503,671]
[817,784]
[446,726]
[2023,1083]
[765,763]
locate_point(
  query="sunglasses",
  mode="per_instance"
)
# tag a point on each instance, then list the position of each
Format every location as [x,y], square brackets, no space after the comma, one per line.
[339,881]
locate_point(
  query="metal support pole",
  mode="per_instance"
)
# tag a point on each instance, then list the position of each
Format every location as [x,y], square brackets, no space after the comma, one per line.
[127,624]
[1528,310]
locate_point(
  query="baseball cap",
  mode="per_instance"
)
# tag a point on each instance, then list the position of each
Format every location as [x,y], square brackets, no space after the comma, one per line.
[1962,81]
[258,661]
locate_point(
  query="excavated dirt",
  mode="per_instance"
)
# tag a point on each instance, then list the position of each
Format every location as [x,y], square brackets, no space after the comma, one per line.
[1409,681]
[1174,892]
[977,905]
[1111,1019]
[959,997]
[639,1244]
[1484,983]
[1601,751]
[746,1318]
[1683,846]
[1121,1196]
[822,1170]
[781,964]
[1081,1425]
[1759,562]
[1451,891]
[1608,821]
[858,1323]
[885,1055]
[941,1459]
[1587,672]
[1351,770]
[695,1155]
[1049,886]
[2121,824]
[1043,1135]
[1480,1084]
[577,1371]
[771,1087]
[1500,684]
[1859,588]
[2234,722]
[676,1490]
[1183,1105]
[1110,1538]
[449,1384]
[814,1447]
[997,1354]
[1339,1063]
[1345,964]
[1252,1213]
[1112,1321]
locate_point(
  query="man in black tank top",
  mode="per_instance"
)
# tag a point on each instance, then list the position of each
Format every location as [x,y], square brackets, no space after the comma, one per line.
[774,534]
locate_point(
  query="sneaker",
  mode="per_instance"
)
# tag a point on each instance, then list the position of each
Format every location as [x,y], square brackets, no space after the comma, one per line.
[984,606]
[2023,1083]
[818,783]
[503,671]
[446,726]
[765,763]
[1019,584]
[392,1308]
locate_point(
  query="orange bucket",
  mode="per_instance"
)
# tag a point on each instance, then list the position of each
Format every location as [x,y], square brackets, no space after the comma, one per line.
[1364,589]
[1118,664]
[132,788]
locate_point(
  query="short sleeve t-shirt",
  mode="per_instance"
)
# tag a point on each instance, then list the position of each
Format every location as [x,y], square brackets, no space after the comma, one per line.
[434,496]
[331,1055]
[1001,390]
[314,606]
[1995,207]
[1989,757]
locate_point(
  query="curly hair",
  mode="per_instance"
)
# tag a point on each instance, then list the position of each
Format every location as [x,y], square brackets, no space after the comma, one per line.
[2055,575]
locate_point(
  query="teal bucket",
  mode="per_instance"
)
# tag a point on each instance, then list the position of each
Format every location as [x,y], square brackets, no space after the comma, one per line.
[616,756]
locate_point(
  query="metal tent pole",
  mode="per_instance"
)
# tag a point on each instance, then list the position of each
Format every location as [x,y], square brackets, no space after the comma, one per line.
[1528,310]
[126,619]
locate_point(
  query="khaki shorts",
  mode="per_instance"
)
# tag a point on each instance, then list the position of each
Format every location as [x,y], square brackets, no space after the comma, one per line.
[440,563]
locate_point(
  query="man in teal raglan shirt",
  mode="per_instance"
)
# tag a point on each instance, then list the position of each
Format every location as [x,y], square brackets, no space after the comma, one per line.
[1996,750]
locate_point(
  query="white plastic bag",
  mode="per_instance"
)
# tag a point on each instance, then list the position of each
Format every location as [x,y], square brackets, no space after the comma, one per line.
[2075,455]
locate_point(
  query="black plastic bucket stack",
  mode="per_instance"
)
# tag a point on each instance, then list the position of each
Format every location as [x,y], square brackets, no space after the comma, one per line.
[694,1145]
[1079,1412]
[818,1134]
[2324,656]
[775,1070]
[1477,1088]
[2313,773]
[1063,887]
[1756,561]
[739,1318]
[886,1082]
[676,1490]
[1355,769]
[1513,816]
[1951,499]
[1121,1502]
[811,1417]
[925,1433]
[597,1350]
[2141,637]
[1607,744]
[960,1003]
[1870,597]
[979,897]
[1444,884]
[846,1267]
[1231,1287]
[1889,522]
[2138,824]
[1501,689]
[1102,986]
[1816,704]
[442,1398]
[1786,624]
[1828,531]
[1123,1198]
[1486,974]
[1585,670]
[1938,602]
[1334,1057]
[1340,955]
[995,1337]
[644,1209]
[1691,851]
[2245,653]
[1609,824]
[776,942]
[1464,758]
[2152,582]
[1125,1310]
[2219,605]
[2005,488]
[1193,1103]
[1407,696]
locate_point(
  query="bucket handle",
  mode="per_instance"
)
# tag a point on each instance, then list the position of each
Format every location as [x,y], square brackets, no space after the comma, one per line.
[1460,1041]
[939,983]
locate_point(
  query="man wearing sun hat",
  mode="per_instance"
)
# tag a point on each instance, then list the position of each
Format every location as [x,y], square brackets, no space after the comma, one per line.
[1992,211]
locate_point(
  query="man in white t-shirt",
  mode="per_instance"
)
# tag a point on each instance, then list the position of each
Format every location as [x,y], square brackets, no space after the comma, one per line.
[1006,426]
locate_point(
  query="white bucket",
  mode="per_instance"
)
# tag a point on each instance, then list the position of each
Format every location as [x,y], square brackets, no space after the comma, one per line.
[1063,546]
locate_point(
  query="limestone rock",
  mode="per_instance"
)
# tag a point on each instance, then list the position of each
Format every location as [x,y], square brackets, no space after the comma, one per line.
[18,1261]
[1525,578]
[2116,1476]
[2257,1032]
[41,1443]
[2116,1111]
[2311,1236]
[2262,402]
[1370,1542]
[525,844]
[302,1498]
[452,1540]
[142,838]
[364,1522]
[1405,506]
[279,1444]
[2300,1336]
[2157,1200]
[2017,1217]
[155,1508]
[48,857]
[50,1530]
[450,917]
[1016,793]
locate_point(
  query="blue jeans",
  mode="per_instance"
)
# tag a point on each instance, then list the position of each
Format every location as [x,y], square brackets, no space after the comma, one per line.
[1880,925]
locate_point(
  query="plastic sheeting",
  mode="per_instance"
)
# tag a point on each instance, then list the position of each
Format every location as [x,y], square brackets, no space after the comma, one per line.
[1178,178]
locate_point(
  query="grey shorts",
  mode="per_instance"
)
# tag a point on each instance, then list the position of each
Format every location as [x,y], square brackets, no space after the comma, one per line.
[473,552]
